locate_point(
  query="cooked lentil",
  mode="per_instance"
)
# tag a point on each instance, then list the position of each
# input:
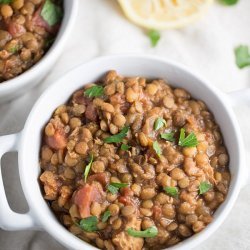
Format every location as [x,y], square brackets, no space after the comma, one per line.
[26,33]
[139,198]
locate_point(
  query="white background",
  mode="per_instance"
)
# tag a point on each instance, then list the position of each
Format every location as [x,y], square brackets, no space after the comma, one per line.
[206,47]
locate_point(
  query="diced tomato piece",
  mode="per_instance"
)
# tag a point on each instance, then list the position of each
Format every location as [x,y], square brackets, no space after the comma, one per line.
[16,29]
[100,177]
[83,200]
[126,196]
[157,212]
[125,200]
[85,196]
[126,191]
[58,140]
[38,20]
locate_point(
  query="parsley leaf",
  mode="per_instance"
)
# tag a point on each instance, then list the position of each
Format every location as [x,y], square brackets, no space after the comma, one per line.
[204,187]
[14,49]
[87,168]
[168,136]
[229,2]
[154,36]
[114,187]
[189,141]
[5,1]
[51,13]
[106,216]
[125,147]
[242,56]
[148,233]
[94,91]
[172,191]
[118,137]
[89,224]
[157,148]
[159,123]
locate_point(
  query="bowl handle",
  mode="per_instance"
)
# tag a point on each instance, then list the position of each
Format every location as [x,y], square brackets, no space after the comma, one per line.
[10,220]
[237,98]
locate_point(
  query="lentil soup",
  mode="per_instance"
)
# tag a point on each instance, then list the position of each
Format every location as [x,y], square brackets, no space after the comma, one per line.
[27,30]
[132,163]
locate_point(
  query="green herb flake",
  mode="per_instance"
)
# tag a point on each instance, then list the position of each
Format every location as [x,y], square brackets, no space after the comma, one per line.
[168,136]
[189,141]
[87,168]
[229,2]
[94,91]
[148,233]
[118,137]
[204,187]
[172,191]
[154,36]
[51,13]
[242,56]
[159,123]
[157,148]
[89,224]
[125,147]
[5,1]
[106,216]
[114,187]
[14,49]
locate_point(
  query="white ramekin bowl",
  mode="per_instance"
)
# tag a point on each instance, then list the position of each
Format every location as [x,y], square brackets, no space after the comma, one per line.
[22,83]
[28,141]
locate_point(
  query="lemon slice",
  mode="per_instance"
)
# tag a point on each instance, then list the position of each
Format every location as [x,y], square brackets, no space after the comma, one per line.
[164,14]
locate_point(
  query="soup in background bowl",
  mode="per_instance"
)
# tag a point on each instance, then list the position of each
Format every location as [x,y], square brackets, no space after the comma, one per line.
[27,30]
[32,36]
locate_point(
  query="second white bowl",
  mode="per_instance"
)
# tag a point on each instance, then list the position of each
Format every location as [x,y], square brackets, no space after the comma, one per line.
[22,83]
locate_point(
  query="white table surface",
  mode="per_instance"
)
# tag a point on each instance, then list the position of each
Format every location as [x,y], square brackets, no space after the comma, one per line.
[206,47]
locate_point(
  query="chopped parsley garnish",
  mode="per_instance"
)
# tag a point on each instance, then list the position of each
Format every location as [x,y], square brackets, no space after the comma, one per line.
[51,13]
[89,224]
[189,141]
[172,191]
[204,187]
[5,1]
[157,148]
[154,36]
[125,147]
[159,123]
[229,2]
[148,233]
[106,216]
[168,136]
[94,91]
[118,137]
[242,56]
[87,168]
[14,49]
[114,187]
